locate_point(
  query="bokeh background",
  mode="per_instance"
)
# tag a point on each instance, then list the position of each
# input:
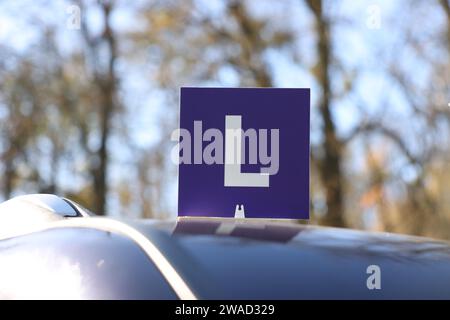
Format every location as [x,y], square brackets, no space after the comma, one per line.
[89,95]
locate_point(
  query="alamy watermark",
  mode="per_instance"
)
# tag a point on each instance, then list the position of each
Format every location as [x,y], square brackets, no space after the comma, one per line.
[373,20]
[73,21]
[374,280]
[213,147]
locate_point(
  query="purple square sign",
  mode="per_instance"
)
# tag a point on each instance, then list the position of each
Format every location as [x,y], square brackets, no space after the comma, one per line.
[244,152]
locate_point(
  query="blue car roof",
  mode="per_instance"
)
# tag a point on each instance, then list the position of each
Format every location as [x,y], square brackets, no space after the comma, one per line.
[226,259]
[238,259]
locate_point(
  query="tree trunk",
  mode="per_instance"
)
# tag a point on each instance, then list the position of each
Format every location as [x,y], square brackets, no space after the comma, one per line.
[330,164]
[107,89]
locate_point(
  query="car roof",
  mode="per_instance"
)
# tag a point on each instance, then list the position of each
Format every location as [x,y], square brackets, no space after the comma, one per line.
[245,259]
[259,259]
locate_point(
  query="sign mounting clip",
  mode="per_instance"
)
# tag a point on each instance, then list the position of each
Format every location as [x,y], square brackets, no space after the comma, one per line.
[239,212]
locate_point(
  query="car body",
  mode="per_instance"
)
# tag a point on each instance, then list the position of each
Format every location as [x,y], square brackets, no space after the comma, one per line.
[87,257]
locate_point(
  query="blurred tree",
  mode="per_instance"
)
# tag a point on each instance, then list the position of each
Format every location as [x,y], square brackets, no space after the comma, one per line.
[189,46]
[18,128]
[421,211]
[101,51]
[51,100]
[330,163]
[398,185]
[240,40]
[66,116]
